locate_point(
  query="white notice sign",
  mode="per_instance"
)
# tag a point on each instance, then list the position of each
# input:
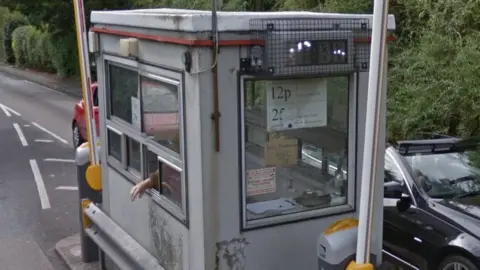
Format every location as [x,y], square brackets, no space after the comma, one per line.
[261,181]
[296,104]
[136,112]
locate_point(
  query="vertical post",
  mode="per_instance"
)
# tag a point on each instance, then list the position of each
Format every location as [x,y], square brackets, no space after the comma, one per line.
[372,141]
[90,250]
[86,79]
[216,113]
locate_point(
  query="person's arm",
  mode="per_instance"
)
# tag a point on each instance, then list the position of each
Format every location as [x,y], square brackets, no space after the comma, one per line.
[139,189]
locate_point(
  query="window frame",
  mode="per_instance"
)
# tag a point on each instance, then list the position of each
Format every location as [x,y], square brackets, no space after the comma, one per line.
[129,132]
[128,167]
[130,65]
[111,158]
[351,160]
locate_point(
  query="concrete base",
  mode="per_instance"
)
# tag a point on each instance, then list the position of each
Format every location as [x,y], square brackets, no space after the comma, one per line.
[70,251]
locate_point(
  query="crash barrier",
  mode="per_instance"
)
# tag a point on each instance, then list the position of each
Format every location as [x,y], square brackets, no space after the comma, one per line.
[90,251]
[119,246]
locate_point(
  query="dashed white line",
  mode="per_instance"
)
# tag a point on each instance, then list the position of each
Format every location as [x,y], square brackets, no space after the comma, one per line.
[66,188]
[26,125]
[42,191]
[59,160]
[43,141]
[51,133]
[8,111]
[20,134]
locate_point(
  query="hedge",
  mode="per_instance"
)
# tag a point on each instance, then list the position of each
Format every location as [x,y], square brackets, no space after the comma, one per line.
[12,21]
[31,48]
[64,55]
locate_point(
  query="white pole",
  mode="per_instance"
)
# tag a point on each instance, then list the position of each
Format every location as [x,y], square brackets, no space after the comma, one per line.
[372,141]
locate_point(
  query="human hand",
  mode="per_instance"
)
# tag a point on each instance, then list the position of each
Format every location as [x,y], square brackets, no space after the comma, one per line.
[138,190]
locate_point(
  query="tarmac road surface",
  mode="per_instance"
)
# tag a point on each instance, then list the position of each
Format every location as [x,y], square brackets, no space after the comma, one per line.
[38,197]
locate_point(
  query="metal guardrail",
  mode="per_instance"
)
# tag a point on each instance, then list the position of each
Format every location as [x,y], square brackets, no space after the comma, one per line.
[118,245]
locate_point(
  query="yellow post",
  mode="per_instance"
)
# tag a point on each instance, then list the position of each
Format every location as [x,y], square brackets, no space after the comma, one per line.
[93,174]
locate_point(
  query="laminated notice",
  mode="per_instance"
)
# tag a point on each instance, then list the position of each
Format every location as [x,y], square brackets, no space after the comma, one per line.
[261,181]
[281,151]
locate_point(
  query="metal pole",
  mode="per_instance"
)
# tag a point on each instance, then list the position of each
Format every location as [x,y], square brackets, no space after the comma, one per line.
[372,140]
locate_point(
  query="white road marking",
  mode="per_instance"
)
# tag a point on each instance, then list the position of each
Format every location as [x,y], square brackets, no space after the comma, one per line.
[27,125]
[66,188]
[42,191]
[59,160]
[45,141]
[20,134]
[8,111]
[51,133]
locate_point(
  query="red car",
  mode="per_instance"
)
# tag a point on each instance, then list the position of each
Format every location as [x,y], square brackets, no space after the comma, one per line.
[79,125]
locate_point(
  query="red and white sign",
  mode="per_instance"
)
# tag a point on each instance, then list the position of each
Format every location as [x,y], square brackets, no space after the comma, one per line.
[261,181]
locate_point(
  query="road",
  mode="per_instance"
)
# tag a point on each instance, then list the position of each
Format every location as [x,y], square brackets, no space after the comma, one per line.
[38,200]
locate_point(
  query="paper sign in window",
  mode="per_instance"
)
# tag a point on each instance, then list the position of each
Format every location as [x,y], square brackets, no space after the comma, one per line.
[261,181]
[296,104]
[281,151]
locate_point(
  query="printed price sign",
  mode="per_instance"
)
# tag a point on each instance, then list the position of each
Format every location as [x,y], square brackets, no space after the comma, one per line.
[296,104]
[261,181]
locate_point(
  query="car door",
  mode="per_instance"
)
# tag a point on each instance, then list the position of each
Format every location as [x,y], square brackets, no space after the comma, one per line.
[400,242]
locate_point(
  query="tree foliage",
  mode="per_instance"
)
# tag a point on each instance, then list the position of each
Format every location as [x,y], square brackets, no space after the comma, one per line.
[433,76]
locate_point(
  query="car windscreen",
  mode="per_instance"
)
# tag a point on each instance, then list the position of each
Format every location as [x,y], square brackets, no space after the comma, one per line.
[447,175]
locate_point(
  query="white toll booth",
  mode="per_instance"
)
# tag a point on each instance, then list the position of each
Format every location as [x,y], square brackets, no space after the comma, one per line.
[255,128]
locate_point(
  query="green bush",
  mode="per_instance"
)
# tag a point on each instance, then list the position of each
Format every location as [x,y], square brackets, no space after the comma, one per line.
[31,48]
[11,22]
[64,55]
[19,44]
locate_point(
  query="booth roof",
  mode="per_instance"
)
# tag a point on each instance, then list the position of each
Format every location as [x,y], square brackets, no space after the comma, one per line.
[200,20]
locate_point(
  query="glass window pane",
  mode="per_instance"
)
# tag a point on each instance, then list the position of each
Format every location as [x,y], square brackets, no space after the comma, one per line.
[296,145]
[151,162]
[160,113]
[134,155]
[170,184]
[123,87]
[114,145]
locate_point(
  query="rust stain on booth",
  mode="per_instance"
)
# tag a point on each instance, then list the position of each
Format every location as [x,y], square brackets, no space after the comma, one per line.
[231,254]
[167,247]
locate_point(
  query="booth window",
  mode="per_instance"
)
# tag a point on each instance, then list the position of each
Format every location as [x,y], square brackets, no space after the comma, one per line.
[114,144]
[148,111]
[161,122]
[160,113]
[170,183]
[123,90]
[134,155]
[296,147]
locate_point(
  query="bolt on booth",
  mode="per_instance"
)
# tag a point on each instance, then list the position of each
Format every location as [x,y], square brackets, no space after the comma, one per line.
[254,128]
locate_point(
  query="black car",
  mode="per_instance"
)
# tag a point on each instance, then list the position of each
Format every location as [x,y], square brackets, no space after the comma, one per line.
[432,204]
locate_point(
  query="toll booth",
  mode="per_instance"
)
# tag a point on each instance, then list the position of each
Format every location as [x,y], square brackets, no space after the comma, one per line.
[254,121]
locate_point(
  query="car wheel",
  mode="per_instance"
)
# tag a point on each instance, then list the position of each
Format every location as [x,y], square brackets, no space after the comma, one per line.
[76,136]
[457,263]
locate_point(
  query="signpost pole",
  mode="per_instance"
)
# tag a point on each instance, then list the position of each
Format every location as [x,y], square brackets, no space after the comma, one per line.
[86,78]
[371,153]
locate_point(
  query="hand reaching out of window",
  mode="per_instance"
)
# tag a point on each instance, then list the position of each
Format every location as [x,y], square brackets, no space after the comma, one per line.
[139,189]
[151,182]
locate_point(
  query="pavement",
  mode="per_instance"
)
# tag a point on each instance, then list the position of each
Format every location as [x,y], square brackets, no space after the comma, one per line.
[39,218]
